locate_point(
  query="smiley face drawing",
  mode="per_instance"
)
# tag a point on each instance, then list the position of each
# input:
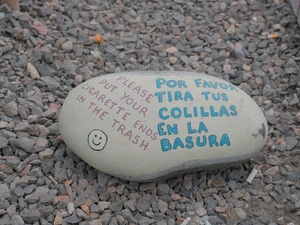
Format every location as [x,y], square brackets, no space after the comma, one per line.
[97,139]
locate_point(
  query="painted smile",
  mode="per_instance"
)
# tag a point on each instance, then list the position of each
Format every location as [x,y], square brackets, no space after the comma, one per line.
[95,143]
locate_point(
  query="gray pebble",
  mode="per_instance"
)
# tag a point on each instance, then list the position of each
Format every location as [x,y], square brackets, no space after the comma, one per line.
[147,186]
[21,62]
[265,218]
[294,175]
[142,205]
[238,52]
[60,174]
[67,46]
[210,205]
[114,221]
[44,221]
[46,211]
[7,134]
[4,204]
[3,176]
[207,60]
[73,219]
[234,175]
[48,198]
[222,6]
[170,221]
[187,184]
[180,207]
[5,220]
[80,213]
[47,57]
[162,206]
[51,83]
[267,90]
[111,50]
[291,142]
[11,109]
[105,218]
[11,210]
[162,222]
[35,196]
[29,189]
[36,172]
[146,221]
[46,71]
[19,191]
[20,166]
[6,49]
[3,142]
[232,184]
[96,209]
[162,189]
[30,215]
[215,220]
[25,144]
[4,191]
[295,100]
[17,220]
[116,206]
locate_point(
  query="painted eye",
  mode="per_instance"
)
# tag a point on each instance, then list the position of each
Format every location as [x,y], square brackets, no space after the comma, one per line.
[95,135]
[100,138]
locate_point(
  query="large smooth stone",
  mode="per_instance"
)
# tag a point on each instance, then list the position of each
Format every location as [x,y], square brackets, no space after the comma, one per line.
[142,126]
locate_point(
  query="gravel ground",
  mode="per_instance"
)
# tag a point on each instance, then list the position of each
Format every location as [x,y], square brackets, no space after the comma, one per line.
[47,49]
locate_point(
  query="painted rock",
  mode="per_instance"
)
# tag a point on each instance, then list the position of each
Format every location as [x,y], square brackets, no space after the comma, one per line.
[141,126]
